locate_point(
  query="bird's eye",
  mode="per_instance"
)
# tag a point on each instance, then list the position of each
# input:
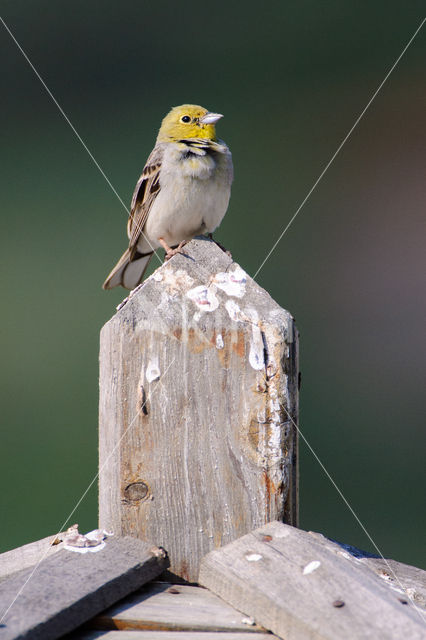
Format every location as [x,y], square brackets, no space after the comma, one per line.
[185,119]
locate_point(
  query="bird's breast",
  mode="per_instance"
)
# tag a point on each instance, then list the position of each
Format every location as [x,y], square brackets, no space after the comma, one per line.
[193,196]
[199,167]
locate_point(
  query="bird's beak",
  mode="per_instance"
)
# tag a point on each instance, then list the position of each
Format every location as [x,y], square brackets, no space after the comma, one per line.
[210,118]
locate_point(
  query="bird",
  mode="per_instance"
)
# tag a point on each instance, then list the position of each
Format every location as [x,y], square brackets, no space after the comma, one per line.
[183,191]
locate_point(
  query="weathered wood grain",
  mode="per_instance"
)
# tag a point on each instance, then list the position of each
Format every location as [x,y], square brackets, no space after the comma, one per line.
[166,607]
[168,635]
[395,574]
[198,381]
[408,580]
[28,554]
[69,588]
[302,587]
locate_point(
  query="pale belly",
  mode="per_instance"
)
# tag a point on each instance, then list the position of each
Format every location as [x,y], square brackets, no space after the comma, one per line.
[187,206]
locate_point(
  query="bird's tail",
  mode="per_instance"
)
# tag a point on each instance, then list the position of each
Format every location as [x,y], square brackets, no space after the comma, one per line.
[129,270]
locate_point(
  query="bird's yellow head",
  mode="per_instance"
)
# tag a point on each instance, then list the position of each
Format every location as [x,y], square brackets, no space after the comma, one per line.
[188,121]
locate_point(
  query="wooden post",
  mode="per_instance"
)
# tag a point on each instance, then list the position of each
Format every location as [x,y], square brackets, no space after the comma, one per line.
[198,400]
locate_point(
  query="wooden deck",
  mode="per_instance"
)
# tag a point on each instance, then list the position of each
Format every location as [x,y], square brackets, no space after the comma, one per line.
[277,580]
[164,610]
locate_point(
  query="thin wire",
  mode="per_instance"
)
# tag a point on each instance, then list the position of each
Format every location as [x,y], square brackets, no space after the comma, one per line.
[339,148]
[96,163]
[106,461]
[423,618]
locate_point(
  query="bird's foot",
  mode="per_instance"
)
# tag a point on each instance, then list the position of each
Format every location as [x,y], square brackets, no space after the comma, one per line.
[228,253]
[169,251]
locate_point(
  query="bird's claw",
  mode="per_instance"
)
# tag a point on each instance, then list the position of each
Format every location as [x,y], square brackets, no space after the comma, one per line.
[169,251]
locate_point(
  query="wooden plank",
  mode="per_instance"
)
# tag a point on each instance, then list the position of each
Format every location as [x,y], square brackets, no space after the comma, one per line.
[168,635]
[396,574]
[164,606]
[403,578]
[198,381]
[28,555]
[302,587]
[69,588]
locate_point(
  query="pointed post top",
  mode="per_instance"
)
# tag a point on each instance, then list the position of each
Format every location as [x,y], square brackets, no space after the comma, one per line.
[204,279]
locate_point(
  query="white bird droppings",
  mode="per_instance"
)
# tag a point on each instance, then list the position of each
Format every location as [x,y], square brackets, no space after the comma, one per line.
[204,297]
[256,356]
[79,543]
[253,557]
[153,370]
[233,283]
[233,310]
[257,348]
[174,282]
[312,566]
[219,341]
[281,533]
[98,547]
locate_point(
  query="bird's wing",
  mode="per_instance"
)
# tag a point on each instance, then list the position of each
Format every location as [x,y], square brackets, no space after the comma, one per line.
[146,191]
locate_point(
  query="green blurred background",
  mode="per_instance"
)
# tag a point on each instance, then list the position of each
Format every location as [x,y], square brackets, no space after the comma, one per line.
[291,78]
